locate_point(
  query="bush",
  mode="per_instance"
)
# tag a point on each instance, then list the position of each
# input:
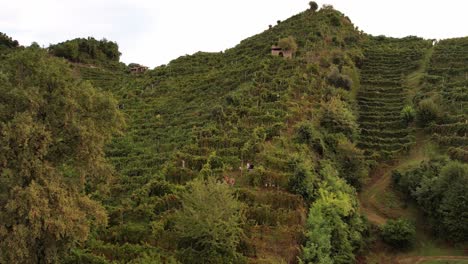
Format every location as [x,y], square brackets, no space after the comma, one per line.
[428,111]
[339,80]
[306,133]
[352,163]
[407,114]
[398,233]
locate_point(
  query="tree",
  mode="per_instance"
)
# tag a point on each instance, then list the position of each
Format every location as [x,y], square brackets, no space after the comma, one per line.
[336,116]
[398,233]
[208,227]
[453,208]
[7,42]
[53,130]
[333,226]
[87,50]
[440,187]
[351,163]
[288,44]
[303,180]
[313,6]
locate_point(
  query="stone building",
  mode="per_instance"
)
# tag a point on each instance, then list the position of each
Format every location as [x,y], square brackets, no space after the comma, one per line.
[277,51]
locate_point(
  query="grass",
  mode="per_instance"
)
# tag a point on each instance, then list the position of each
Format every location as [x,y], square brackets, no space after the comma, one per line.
[445,262]
[413,80]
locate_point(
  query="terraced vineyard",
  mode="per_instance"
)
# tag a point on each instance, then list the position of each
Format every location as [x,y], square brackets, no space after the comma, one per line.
[382,95]
[446,83]
[179,135]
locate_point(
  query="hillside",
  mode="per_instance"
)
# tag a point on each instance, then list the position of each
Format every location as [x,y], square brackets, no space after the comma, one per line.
[228,109]
[245,157]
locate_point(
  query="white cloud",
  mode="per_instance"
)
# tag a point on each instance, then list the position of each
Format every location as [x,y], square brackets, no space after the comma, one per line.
[155,32]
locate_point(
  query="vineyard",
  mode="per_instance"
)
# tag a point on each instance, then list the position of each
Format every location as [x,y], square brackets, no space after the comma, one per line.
[353,149]
[383,95]
[446,83]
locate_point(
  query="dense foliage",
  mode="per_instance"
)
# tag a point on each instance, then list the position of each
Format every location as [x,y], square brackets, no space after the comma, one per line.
[399,233]
[440,187]
[208,226]
[87,50]
[53,131]
[7,42]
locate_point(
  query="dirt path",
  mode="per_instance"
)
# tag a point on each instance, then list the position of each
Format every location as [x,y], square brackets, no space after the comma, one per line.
[378,212]
[421,259]
[379,184]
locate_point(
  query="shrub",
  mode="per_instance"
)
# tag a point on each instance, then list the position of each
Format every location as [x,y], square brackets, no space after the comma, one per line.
[307,134]
[407,114]
[352,163]
[339,80]
[427,112]
[398,233]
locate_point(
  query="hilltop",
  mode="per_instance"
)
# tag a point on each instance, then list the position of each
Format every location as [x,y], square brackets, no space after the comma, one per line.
[243,156]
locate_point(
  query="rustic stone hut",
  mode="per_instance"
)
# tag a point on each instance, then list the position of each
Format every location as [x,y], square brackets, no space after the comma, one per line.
[277,51]
[138,68]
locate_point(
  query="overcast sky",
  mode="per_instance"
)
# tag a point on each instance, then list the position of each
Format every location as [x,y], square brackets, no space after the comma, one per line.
[154,32]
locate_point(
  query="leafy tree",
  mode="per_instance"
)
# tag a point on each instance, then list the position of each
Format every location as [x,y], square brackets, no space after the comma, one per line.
[53,130]
[453,208]
[333,227]
[288,44]
[7,42]
[87,50]
[398,233]
[208,227]
[337,117]
[313,6]
[440,189]
[303,179]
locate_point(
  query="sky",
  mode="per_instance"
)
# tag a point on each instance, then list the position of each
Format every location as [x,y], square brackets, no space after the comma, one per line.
[154,32]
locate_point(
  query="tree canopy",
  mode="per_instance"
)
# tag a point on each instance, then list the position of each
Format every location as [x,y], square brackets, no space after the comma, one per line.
[53,130]
[209,224]
[87,50]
